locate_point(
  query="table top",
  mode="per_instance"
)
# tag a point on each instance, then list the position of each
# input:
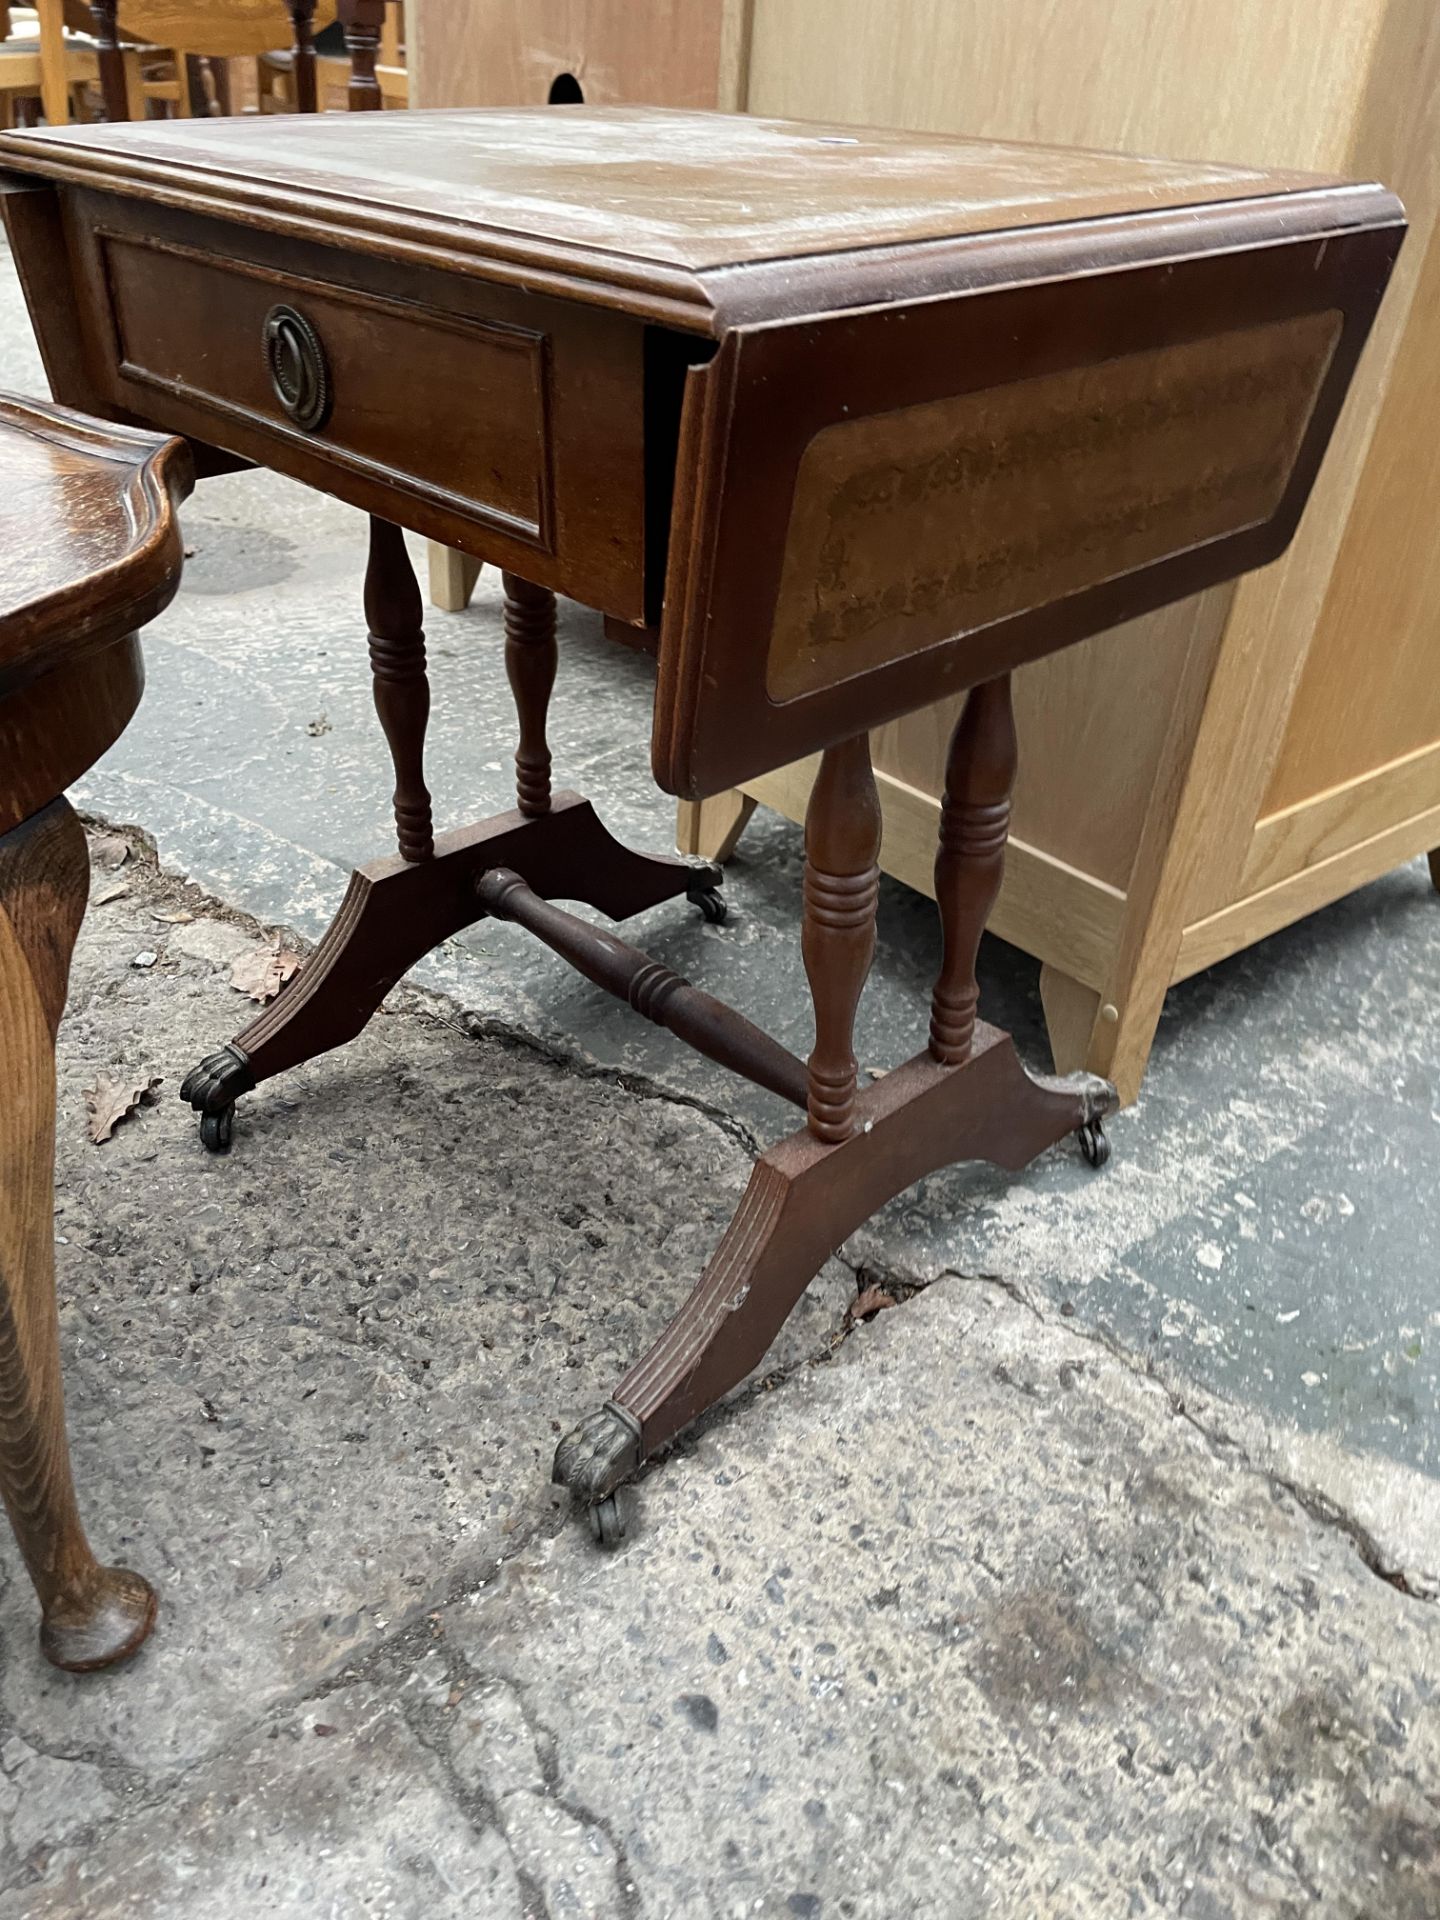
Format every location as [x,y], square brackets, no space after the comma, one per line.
[88,531]
[629,202]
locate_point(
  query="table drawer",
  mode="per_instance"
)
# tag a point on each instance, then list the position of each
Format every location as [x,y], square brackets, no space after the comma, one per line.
[510,425]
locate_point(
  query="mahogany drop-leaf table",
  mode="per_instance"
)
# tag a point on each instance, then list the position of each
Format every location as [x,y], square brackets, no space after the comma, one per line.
[834,423]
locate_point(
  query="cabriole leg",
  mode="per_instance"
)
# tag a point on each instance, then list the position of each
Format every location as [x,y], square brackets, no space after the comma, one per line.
[92,1616]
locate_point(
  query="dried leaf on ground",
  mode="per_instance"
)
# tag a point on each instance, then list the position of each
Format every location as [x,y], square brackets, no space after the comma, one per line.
[111,893]
[867,1304]
[110,849]
[263,971]
[109,1102]
[172,919]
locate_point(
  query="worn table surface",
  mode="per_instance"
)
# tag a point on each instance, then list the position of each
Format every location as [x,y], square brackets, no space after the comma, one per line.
[648,198]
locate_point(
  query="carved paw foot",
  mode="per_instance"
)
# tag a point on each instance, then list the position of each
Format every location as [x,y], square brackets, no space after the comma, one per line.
[218,1081]
[601,1452]
[212,1089]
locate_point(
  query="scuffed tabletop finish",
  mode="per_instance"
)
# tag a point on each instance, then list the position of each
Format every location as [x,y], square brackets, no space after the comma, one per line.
[689,192]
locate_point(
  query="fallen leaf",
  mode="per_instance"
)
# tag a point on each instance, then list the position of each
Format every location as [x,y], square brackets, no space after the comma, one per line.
[110,849]
[111,893]
[867,1304]
[263,971]
[172,919]
[109,1102]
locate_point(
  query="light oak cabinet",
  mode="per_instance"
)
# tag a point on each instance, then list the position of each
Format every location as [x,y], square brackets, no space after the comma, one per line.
[1197,779]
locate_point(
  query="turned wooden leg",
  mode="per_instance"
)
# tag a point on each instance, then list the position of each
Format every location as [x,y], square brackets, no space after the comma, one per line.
[91,1615]
[970,862]
[530,660]
[402,690]
[837,941]
[362,21]
[110,59]
[1434,858]
[302,16]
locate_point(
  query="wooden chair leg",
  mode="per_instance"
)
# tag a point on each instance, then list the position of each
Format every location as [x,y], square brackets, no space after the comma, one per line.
[362,21]
[837,940]
[402,689]
[530,662]
[302,15]
[91,1615]
[1434,858]
[111,59]
[970,862]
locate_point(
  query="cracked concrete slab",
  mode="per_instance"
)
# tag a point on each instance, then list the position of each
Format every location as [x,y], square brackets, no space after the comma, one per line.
[972,1620]
[314,1384]
[851,1663]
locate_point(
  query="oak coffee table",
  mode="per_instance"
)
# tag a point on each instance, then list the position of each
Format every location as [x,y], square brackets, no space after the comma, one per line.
[833,423]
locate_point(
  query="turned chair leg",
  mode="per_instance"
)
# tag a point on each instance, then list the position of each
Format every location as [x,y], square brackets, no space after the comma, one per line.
[91,1615]
[393,611]
[970,861]
[362,21]
[110,59]
[837,940]
[302,24]
[530,660]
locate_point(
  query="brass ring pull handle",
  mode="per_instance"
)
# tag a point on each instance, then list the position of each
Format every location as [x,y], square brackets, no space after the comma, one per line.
[299,371]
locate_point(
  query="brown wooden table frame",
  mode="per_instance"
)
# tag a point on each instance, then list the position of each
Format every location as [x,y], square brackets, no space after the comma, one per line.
[842,477]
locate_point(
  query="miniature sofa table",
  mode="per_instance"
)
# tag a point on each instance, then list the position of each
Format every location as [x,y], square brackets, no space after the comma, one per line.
[834,423]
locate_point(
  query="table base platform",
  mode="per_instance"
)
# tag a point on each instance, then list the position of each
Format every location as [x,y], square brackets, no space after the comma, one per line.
[966,1096]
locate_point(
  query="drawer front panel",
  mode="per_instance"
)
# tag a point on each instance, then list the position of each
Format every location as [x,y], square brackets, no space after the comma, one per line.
[501,422]
[187,325]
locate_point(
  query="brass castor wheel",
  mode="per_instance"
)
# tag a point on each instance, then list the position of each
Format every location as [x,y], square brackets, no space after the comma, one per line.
[212,1089]
[607,1520]
[704,892]
[1094,1143]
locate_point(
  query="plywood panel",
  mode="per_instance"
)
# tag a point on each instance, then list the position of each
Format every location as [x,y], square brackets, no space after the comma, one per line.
[1347,84]
[480,53]
[1239,80]
[1370,691]
[1102,709]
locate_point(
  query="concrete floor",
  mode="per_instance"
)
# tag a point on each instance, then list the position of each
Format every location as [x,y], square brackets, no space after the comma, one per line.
[1218,1361]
